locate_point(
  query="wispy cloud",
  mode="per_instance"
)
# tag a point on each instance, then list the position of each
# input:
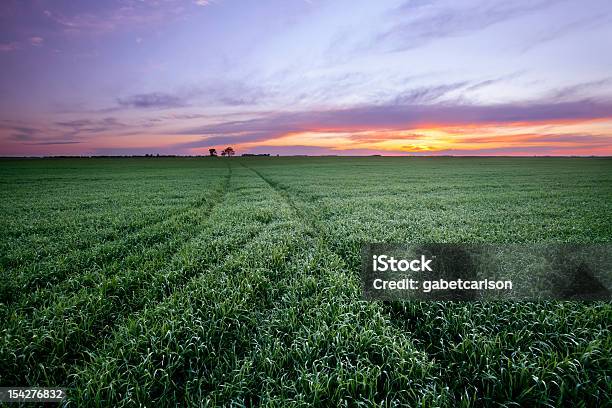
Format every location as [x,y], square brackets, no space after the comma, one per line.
[37,41]
[428,94]
[58,132]
[222,93]
[580,90]
[562,30]
[84,126]
[531,138]
[433,21]
[10,46]
[65,142]
[20,133]
[128,15]
[513,151]
[15,45]
[154,100]
[232,93]
[136,151]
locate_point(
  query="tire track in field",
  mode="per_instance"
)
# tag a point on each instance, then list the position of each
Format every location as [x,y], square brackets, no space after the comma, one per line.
[312,220]
[35,281]
[312,232]
[307,219]
[393,310]
[73,346]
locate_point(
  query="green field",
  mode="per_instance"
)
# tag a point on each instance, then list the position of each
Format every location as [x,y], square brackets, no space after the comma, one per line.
[215,282]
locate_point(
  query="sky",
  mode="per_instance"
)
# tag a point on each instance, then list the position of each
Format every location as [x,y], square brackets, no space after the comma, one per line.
[396,77]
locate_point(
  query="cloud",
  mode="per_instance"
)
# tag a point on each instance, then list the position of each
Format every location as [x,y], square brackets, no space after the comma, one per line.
[91,125]
[59,132]
[212,140]
[122,15]
[219,93]
[579,90]
[582,24]
[433,21]
[154,100]
[573,138]
[13,46]
[115,16]
[7,47]
[513,151]
[232,93]
[37,41]
[476,85]
[427,94]
[380,136]
[66,142]
[310,151]
[399,117]
[135,151]
[415,148]
[530,138]
[21,133]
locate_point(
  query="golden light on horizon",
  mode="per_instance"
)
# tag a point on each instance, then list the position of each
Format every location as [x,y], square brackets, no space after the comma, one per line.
[443,137]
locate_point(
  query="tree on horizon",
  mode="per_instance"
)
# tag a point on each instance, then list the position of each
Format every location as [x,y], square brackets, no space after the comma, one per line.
[228,152]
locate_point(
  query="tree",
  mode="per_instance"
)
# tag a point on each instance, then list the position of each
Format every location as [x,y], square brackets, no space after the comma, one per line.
[213,152]
[228,151]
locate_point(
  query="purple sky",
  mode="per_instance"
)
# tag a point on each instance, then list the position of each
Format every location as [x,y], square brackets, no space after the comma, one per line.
[306,77]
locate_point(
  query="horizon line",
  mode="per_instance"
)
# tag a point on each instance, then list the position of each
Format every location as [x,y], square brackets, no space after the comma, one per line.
[153,155]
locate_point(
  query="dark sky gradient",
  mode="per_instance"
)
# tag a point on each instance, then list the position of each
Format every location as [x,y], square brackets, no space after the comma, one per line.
[306,77]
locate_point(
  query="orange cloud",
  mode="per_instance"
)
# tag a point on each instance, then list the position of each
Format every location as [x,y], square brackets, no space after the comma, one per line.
[442,137]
